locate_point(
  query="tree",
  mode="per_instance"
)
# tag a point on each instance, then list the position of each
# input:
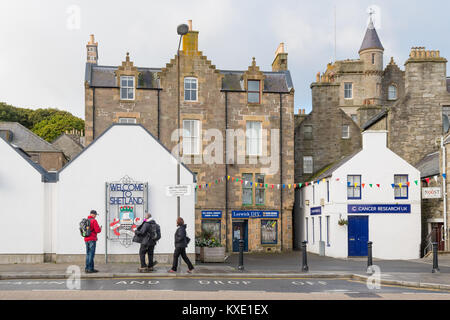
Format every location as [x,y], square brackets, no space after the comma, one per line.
[51,128]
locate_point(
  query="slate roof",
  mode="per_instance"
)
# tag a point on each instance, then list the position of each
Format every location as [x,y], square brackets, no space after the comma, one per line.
[371,39]
[104,77]
[336,165]
[25,139]
[429,165]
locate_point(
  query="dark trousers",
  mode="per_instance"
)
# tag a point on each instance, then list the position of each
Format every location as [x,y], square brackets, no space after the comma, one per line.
[146,249]
[90,254]
[181,252]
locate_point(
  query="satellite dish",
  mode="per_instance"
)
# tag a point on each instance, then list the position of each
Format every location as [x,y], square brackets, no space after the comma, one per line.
[182,29]
[446,123]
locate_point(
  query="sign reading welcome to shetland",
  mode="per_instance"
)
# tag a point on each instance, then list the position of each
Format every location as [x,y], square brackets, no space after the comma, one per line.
[379,208]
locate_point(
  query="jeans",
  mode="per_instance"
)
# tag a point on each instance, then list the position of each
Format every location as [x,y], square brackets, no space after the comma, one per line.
[90,253]
[176,254]
[144,249]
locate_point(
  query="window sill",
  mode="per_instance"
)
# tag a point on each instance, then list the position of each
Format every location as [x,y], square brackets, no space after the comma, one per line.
[127,100]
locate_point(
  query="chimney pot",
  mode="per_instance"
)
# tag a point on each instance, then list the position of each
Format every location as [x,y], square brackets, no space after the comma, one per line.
[190,25]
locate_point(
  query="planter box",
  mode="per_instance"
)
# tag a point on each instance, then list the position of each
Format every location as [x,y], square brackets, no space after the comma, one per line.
[216,254]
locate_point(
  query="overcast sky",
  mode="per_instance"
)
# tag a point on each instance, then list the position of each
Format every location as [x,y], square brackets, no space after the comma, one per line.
[43,43]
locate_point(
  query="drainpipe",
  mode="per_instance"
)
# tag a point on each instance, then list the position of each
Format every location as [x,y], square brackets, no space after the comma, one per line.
[281,170]
[226,174]
[444,191]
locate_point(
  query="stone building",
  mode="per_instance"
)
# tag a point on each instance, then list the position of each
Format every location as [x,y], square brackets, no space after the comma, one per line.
[416,124]
[37,149]
[70,143]
[240,185]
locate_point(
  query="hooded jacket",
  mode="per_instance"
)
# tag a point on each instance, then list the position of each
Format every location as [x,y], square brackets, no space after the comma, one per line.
[145,229]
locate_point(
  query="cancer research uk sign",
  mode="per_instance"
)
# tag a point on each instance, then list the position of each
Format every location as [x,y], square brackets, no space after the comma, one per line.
[379,208]
[126,202]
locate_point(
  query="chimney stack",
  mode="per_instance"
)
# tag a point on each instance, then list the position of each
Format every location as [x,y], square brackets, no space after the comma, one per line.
[280,61]
[190,41]
[92,50]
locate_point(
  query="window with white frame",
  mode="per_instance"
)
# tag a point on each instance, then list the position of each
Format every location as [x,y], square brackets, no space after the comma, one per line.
[308,165]
[392,92]
[328,230]
[253,91]
[127,88]
[247,189]
[254,138]
[190,89]
[345,131]
[127,120]
[191,137]
[348,90]
[401,186]
[259,189]
[354,187]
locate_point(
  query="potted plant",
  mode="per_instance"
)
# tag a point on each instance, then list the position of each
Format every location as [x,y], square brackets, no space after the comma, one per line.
[342,222]
[210,249]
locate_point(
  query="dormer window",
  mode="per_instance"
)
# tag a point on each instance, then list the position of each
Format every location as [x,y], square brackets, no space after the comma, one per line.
[392,92]
[253,91]
[126,88]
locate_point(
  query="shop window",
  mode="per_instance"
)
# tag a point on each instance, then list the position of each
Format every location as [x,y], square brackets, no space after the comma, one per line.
[313,238]
[328,231]
[253,91]
[401,192]
[354,187]
[320,229]
[247,189]
[212,226]
[127,88]
[269,231]
[191,137]
[190,89]
[254,138]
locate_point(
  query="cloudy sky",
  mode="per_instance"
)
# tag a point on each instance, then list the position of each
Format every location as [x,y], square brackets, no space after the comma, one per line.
[43,43]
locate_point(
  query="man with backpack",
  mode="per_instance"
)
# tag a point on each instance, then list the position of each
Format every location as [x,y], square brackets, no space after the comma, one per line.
[89,229]
[147,234]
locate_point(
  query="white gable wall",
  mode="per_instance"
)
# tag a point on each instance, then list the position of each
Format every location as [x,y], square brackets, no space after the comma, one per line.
[121,151]
[22,204]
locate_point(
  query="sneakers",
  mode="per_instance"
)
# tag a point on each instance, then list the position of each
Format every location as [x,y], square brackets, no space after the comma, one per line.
[190,271]
[171,271]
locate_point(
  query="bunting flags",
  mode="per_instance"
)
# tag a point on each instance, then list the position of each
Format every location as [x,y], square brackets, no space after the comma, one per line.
[294,186]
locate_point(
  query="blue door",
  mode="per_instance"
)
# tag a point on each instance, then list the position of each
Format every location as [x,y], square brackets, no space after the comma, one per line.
[240,231]
[358,236]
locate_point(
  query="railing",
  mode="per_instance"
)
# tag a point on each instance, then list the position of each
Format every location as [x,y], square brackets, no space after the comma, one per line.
[428,244]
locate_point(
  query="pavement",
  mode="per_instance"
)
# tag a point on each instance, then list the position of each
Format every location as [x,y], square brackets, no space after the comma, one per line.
[411,273]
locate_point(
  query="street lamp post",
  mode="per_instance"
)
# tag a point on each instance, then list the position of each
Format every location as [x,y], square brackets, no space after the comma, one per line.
[182,29]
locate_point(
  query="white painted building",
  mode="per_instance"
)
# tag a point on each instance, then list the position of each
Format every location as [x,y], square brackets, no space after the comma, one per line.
[122,174]
[377,193]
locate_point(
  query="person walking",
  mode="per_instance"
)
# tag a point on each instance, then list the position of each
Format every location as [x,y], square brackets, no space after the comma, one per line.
[149,233]
[181,243]
[91,242]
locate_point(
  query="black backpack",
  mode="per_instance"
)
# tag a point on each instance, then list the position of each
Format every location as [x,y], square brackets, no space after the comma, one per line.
[154,234]
[85,228]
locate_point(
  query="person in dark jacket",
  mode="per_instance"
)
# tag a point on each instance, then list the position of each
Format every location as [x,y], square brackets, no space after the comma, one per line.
[148,244]
[181,243]
[91,242]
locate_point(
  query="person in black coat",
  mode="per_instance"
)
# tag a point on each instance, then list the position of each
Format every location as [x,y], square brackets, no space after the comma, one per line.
[181,243]
[148,244]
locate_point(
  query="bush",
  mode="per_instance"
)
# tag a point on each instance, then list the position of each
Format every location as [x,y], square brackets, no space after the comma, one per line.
[206,239]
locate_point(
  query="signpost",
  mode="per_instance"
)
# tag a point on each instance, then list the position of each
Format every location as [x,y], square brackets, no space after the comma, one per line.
[178,190]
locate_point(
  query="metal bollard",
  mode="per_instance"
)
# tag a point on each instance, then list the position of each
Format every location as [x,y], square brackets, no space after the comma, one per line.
[369,254]
[241,255]
[305,257]
[435,258]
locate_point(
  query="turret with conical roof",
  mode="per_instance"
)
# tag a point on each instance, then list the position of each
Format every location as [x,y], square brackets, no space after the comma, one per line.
[372,50]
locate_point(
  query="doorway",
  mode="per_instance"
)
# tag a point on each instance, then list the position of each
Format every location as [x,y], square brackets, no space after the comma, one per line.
[240,231]
[358,236]
[437,230]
